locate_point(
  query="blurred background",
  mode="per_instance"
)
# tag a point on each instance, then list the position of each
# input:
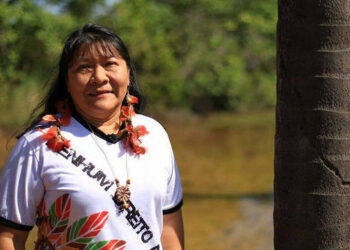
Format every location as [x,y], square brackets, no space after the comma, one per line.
[207,69]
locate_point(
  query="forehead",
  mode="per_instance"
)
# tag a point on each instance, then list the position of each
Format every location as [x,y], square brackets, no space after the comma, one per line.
[95,50]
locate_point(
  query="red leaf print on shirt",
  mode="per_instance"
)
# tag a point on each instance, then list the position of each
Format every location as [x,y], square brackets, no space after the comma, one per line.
[53,232]
[82,231]
[59,216]
[107,245]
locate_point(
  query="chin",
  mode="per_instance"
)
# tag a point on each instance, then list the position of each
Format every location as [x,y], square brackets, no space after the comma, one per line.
[106,107]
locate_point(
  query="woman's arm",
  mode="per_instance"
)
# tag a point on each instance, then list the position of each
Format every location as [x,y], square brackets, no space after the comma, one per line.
[173,231]
[11,239]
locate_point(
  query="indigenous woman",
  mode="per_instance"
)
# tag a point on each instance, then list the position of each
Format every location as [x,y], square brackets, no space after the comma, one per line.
[89,171]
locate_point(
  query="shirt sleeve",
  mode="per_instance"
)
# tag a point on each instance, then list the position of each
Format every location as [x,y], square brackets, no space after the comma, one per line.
[173,198]
[21,187]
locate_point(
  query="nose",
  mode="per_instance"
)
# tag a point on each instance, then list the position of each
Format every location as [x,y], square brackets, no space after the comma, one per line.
[99,76]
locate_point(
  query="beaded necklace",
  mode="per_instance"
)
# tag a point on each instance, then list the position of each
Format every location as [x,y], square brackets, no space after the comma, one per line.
[129,134]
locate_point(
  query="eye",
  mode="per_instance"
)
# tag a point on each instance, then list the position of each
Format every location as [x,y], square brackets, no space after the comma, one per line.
[111,63]
[84,67]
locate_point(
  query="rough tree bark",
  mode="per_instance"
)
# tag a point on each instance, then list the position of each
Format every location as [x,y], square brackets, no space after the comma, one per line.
[312,142]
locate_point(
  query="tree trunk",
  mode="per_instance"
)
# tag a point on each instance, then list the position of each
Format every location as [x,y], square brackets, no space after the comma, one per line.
[312,143]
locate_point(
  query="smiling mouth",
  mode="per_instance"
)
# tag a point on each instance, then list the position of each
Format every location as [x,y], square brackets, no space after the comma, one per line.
[99,93]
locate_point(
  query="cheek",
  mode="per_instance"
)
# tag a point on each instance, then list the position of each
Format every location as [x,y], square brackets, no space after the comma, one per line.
[127,79]
[69,81]
[72,88]
[75,92]
[75,85]
[121,82]
[125,85]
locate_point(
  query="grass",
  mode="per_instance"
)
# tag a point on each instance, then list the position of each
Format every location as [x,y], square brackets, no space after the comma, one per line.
[224,160]
[234,159]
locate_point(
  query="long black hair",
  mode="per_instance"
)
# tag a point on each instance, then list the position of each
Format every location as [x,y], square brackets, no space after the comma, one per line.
[89,34]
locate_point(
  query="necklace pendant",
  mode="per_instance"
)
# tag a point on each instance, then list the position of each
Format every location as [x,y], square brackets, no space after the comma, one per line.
[122,195]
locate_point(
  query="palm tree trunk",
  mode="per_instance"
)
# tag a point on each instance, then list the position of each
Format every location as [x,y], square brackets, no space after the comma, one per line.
[312,142]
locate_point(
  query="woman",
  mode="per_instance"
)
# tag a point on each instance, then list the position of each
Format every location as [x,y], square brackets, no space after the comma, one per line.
[89,172]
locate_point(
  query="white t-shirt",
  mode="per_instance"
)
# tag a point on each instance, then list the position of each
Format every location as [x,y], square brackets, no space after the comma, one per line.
[76,186]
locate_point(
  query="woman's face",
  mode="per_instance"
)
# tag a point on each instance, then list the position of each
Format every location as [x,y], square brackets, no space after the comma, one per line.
[97,82]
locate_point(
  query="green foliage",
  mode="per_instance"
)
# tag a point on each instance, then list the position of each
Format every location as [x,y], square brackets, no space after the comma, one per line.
[78,8]
[231,51]
[146,27]
[30,42]
[204,55]
[199,55]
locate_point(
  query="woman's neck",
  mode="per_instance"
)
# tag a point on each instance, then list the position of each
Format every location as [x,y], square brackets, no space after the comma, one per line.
[108,124]
[109,128]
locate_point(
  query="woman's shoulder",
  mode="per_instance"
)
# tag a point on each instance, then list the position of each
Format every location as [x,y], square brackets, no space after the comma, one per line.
[147,121]
[154,128]
[156,141]
[32,137]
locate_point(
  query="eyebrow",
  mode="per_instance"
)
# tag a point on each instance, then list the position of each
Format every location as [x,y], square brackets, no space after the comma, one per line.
[85,59]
